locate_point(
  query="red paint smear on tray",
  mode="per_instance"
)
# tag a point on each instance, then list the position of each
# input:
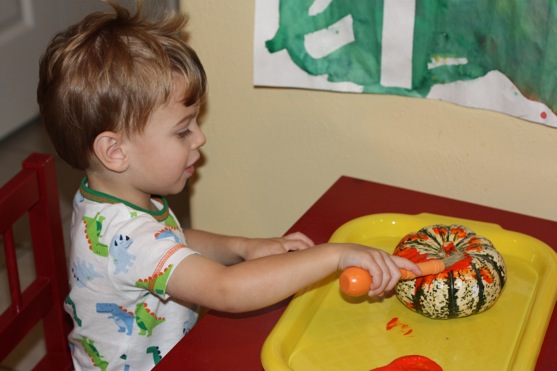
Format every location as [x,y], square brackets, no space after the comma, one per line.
[404,328]
[410,363]
[392,323]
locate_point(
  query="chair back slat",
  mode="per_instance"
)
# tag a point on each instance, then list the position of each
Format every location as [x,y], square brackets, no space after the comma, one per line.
[19,322]
[17,196]
[34,191]
[12,269]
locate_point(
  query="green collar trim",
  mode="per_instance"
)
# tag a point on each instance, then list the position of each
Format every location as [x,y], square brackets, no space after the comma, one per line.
[91,194]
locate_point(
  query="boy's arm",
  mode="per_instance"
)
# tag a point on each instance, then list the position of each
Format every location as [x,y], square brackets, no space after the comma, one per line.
[231,249]
[261,282]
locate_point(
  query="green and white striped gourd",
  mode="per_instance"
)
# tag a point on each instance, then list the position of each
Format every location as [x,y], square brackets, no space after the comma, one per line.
[470,286]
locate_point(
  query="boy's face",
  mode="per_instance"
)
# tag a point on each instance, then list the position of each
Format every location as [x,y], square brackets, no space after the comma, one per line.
[164,154]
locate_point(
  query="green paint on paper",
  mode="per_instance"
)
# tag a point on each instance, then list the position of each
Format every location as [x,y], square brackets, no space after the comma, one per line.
[515,37]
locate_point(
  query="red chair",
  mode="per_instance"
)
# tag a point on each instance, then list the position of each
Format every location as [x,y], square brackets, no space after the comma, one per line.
[34,191]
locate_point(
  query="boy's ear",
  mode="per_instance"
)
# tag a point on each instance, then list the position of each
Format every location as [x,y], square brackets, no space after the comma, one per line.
[110,150]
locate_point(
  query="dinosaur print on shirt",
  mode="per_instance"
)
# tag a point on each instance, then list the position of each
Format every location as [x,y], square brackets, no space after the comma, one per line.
[119,252]
[146,320]
[122,317]
[93,227]
[96,358]
[157,282]
[83,272]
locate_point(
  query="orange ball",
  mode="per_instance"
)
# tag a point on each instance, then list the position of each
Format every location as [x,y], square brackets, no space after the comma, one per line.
[355,281]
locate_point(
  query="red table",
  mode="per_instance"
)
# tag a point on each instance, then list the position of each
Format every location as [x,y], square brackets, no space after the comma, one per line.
[233,342]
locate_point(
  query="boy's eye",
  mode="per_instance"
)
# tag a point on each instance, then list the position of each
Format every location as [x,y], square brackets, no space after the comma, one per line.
[184,133]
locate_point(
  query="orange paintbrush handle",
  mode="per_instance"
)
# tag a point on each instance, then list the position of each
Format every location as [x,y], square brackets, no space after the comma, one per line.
[355,281]
[433,266]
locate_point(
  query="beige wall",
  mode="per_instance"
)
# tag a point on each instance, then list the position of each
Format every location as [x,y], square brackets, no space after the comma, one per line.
[272,152]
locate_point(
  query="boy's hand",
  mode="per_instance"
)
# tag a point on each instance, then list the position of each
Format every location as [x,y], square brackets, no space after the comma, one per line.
[259,247]
[383,267]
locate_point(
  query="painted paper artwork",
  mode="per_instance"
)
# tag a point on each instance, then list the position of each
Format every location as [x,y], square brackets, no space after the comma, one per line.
[499,55]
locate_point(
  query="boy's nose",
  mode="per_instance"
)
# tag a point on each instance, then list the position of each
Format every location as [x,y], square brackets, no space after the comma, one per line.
[201,140]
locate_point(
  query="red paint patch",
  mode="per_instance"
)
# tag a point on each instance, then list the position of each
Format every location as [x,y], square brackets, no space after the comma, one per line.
[414,237]
[474,248]
[410,363]
[462,264]
[459,232]
[448,247]
[411,254]
[441,231]
[543,115]
[486,275]
[404,328]
[392,323]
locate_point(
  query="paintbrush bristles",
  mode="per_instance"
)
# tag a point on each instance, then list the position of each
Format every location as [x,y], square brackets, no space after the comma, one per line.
[452,259]
[433,266]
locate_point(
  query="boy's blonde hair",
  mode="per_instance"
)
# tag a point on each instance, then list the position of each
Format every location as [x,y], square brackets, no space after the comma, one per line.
[108,73]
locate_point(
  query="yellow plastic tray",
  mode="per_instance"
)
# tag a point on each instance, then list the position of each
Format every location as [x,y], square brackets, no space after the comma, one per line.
[323,330]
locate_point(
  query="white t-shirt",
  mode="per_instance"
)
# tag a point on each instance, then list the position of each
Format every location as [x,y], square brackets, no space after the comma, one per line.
[121,259]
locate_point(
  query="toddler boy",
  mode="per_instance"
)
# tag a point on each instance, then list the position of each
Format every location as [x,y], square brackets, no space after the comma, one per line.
[119,96]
